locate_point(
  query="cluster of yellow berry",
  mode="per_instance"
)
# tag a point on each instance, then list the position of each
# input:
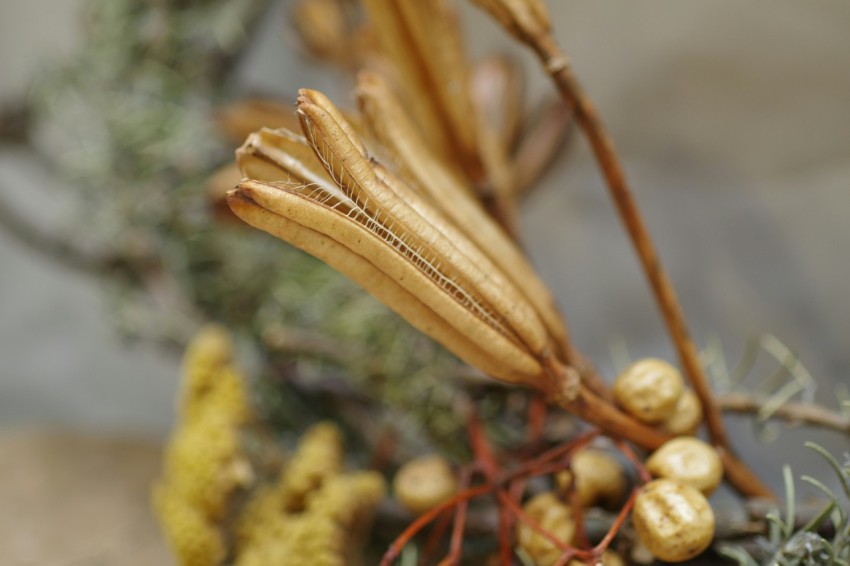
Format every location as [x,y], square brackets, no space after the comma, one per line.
[211,503]
[671,515]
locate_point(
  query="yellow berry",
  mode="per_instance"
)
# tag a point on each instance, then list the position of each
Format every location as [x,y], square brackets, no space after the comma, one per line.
[688,460]
[599,478]
[686,417]
[673,520]
[551,514]
[609,558]
[424,483]
[649,389]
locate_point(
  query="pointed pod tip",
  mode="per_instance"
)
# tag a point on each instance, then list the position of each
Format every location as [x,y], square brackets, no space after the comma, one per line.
[242,193]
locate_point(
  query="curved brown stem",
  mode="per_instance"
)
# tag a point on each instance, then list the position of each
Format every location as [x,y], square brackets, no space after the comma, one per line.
[558,67]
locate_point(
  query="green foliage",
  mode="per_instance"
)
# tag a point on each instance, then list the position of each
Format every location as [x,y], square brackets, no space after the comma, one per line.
[822,540]
[130,120]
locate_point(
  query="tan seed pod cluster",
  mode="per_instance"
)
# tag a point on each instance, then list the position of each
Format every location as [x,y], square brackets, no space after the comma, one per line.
[649,389]
[598,476]
[686,417]
[423,483]
[322,26]
[688,460]
[673,520]
[392,127]
[522,18]
[422,39]
[554,516]
[324,194]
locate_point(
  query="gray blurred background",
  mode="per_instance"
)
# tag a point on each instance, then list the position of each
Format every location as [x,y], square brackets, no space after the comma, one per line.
[733,120]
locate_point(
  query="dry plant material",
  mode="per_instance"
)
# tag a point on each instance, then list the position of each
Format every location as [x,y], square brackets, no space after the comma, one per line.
[596,477]
[673,520]
[686,417]
[422,40]
[324,194]
[238,120]
[687,460]
[497,89]
[527,20]
[371,226]
[552,515]
[324,29]
[386,118]
[649,389]
[423,483]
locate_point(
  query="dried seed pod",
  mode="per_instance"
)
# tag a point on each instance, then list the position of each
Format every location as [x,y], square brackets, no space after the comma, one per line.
[599,478]
[423,483]
[687,460]
[390,125]
[554,516]
[649,389]
[497,88]
[370,226]
[323,28]
[524,19]
[686,417]
[239,119]
[673,520]
[422,38]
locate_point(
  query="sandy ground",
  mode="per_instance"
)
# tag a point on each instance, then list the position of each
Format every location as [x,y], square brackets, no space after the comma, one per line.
[734,127]
[71,500]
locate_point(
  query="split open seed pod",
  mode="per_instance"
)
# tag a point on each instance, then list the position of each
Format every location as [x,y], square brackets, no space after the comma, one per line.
[323,193]
[522,18]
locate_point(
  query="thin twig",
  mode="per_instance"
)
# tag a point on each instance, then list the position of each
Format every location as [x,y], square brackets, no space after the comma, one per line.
[557,66]
[791,411]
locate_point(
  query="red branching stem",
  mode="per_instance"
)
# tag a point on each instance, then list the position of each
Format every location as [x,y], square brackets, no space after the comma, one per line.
[456,546]
[618,523]
[423,520]
[537,411]
[578,516]
[627,451]
[436,534]
[514,508]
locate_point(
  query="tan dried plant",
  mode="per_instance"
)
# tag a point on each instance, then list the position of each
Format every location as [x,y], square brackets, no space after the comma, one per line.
[324,193]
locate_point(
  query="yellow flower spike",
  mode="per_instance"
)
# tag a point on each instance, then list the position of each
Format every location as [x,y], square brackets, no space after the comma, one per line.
[203,464]
[319,457]
[314,514]
[205,357]
[196,540]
